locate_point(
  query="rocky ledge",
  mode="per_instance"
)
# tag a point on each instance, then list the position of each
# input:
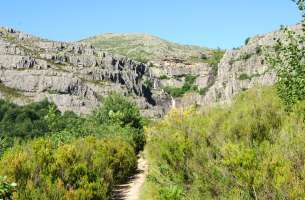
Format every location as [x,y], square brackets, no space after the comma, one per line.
[77,76]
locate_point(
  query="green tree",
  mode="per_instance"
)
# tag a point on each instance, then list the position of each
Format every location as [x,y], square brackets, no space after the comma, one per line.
[289,62]
[117,110]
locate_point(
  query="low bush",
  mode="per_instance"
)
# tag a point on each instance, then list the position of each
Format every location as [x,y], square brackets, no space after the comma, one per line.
[163,77]
[86,168]
[6,189]
[187,87]
[70,157]
[253,149]
[244,76]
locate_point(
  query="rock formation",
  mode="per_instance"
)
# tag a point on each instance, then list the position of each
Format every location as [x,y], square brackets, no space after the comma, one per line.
[76,76]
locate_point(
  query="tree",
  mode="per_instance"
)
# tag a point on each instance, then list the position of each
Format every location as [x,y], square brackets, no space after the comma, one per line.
[117,110]
[289,62]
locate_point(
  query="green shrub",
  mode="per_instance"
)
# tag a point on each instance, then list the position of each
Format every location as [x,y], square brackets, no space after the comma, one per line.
[203,91]
[287,58]
[252,149]
[117,110]
[21,123]
[6,189]
[258,50]
[163,77]
[148,84]
[187,87]
[72,157]
[245,56]
[244,76]
[86,168]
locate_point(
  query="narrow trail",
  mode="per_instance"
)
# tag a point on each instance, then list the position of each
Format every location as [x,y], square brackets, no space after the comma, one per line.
[131,190]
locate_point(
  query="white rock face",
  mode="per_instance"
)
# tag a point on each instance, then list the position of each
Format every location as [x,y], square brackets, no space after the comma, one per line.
[76,76]
[239,70]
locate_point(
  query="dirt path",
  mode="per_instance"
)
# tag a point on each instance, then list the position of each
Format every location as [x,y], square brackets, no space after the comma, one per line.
[131,190]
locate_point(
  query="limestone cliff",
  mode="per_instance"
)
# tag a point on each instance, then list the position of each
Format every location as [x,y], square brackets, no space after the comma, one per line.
[76,76]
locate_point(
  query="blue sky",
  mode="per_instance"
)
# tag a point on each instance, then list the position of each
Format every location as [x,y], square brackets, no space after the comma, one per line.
[212,23]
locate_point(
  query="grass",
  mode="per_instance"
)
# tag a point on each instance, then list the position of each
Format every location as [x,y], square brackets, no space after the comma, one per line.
[143,48]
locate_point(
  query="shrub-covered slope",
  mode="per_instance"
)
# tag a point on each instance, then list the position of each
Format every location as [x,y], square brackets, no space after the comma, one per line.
[67,156]
[252,149]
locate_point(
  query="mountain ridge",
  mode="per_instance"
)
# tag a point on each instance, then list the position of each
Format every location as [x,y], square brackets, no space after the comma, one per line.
[144,47]
[77,75]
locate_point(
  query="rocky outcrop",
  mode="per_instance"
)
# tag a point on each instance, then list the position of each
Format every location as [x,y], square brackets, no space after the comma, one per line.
[74,76]
[240,69]
[77,76]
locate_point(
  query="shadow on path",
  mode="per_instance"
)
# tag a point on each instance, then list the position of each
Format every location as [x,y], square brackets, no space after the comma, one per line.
[131,190]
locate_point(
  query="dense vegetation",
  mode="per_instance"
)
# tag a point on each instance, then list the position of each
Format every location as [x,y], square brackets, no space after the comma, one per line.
[253,149]
[6,189]
[63,156]
[34,120]
[289,63]
[188,86]
[86,168]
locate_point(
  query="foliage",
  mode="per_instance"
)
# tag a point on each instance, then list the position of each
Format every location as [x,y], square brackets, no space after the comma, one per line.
[214,61]
[65,156]
[244,76]
[117,110]
[203,91]
[247,41]
[245,56]
[148,84]
[21,122]
[87,168]
[252,149]
[33,120]
[163,77]
[6,189]
[258,50]
[289,63]
[187,87]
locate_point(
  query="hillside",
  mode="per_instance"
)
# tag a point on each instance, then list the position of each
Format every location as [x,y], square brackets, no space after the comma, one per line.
[77,76]
[144,47]
[74,76]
